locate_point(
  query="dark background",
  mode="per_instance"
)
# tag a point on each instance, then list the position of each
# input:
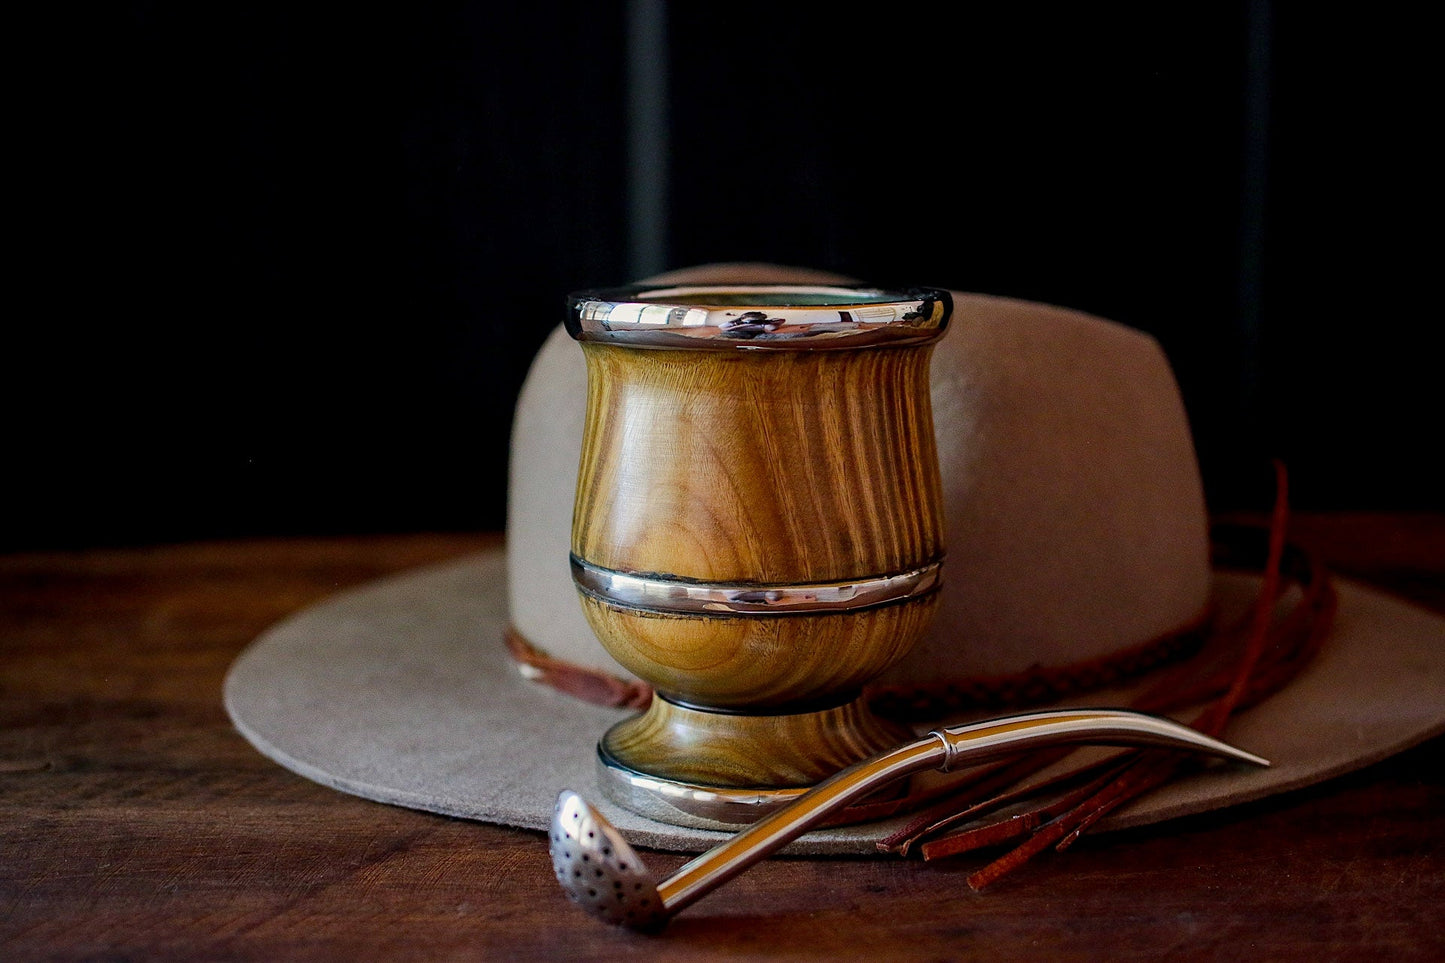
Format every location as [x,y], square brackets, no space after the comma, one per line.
[282,271]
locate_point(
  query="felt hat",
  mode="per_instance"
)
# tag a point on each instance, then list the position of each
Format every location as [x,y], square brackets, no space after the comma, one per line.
[1078,564]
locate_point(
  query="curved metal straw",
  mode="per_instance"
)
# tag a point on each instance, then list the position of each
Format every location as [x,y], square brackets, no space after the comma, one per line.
[602,873]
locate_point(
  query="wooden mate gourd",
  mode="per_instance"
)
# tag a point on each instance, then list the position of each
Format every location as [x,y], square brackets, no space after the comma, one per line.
[758,528]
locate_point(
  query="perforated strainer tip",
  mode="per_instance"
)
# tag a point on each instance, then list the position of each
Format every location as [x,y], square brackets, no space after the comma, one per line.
[599,870]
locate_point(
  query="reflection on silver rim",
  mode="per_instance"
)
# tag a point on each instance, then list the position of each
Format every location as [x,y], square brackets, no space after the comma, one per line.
[762,316]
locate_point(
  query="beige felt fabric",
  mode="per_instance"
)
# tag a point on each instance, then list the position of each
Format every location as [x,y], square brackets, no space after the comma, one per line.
[1075,513]
[1069,476]
[401,691]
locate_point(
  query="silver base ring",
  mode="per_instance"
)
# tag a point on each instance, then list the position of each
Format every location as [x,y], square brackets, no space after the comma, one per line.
[686,804]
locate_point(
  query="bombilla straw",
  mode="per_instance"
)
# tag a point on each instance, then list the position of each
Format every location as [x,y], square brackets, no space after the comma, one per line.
[600,871]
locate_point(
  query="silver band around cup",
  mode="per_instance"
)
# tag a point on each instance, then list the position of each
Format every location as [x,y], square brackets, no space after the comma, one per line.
[674,596]
[786,317]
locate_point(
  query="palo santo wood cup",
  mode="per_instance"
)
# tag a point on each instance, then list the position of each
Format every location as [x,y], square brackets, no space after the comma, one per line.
[758,529]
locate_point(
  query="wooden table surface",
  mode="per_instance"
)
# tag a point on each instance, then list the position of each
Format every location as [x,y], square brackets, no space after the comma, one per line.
[135,823]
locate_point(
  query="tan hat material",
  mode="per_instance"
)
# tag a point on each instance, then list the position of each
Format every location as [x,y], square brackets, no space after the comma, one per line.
[1078,555]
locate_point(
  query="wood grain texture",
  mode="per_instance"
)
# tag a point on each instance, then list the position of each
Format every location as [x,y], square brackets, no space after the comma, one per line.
[775,467]
[135,823]
[753,751]
[761,663]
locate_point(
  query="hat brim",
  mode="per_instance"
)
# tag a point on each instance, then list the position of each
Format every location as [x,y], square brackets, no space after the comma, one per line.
[400,691]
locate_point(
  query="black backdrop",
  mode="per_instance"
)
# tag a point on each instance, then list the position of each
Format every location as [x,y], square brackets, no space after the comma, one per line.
[282,271]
